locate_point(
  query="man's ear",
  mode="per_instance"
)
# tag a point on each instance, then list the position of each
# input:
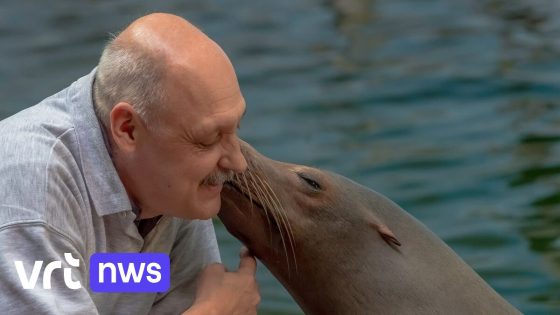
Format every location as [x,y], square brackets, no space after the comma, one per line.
[125,125]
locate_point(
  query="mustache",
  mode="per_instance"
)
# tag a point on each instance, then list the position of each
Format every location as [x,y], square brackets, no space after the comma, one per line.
[218,177]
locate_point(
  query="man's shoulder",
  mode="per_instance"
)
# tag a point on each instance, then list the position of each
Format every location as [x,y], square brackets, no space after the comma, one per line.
[30,135]
[40,159]
[47,119]
[33,137]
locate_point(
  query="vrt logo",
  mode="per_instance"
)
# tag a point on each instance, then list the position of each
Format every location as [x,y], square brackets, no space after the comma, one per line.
[29,282]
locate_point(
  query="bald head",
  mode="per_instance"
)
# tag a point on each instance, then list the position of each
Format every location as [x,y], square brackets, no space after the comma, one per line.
[165,35]
[155,49]
[171,105]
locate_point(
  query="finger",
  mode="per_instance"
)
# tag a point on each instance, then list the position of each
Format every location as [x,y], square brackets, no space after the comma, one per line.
[211,275]
[247,263]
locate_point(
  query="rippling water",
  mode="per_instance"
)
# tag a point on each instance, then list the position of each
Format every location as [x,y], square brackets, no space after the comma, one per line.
[450,108]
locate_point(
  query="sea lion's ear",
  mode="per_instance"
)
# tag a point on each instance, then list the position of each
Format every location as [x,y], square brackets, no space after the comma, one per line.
[388,235]
[385,233]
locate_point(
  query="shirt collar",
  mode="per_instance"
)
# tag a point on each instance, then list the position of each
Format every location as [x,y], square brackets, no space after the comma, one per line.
[104,185]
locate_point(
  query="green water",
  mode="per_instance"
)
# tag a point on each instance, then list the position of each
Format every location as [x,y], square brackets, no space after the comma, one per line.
[450,108]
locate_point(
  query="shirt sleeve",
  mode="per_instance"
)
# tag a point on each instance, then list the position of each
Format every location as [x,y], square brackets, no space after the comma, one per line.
[27,243]
[194,248]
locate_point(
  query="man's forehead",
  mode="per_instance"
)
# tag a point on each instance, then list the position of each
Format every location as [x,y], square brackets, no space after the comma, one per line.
[230,116]
[213,118]
[199,88]
[205,92]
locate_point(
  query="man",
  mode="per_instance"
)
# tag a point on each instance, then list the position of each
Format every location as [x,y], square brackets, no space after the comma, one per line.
[130,158]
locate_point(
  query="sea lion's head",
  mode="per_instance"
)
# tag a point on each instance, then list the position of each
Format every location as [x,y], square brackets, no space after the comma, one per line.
[288,214]
[327,240]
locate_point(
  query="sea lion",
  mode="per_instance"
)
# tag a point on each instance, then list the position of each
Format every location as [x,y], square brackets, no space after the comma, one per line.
[341,248]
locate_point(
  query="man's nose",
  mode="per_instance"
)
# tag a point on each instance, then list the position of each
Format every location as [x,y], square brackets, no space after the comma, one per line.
[233,158]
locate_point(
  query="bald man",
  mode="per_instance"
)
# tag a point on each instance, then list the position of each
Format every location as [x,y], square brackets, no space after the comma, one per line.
[130,158]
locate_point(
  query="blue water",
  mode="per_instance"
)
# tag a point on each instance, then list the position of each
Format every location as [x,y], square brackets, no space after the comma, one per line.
[450,108]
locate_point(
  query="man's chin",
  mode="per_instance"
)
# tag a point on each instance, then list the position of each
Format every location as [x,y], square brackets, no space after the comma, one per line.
[204,211]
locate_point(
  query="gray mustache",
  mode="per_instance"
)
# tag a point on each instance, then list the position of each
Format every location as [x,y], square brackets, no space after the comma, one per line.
[218,178]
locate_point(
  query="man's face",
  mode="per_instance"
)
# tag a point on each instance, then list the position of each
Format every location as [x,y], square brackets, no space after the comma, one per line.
[197,138]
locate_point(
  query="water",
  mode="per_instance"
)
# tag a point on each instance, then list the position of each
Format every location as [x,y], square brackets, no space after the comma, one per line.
[450,108]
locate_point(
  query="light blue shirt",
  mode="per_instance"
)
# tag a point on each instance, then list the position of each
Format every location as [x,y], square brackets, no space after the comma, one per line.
[60,193]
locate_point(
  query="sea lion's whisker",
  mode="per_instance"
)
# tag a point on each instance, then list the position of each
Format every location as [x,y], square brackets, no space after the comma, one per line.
[256,191]
[274,210]
[257,187]
[262,195]
[278,209]
[247,188]
[267,201]
[287,224]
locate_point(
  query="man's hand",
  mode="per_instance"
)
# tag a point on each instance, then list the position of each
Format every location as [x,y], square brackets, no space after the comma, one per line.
[221,292]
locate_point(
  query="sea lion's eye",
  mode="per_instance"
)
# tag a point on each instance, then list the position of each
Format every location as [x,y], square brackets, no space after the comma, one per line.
[309,181]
